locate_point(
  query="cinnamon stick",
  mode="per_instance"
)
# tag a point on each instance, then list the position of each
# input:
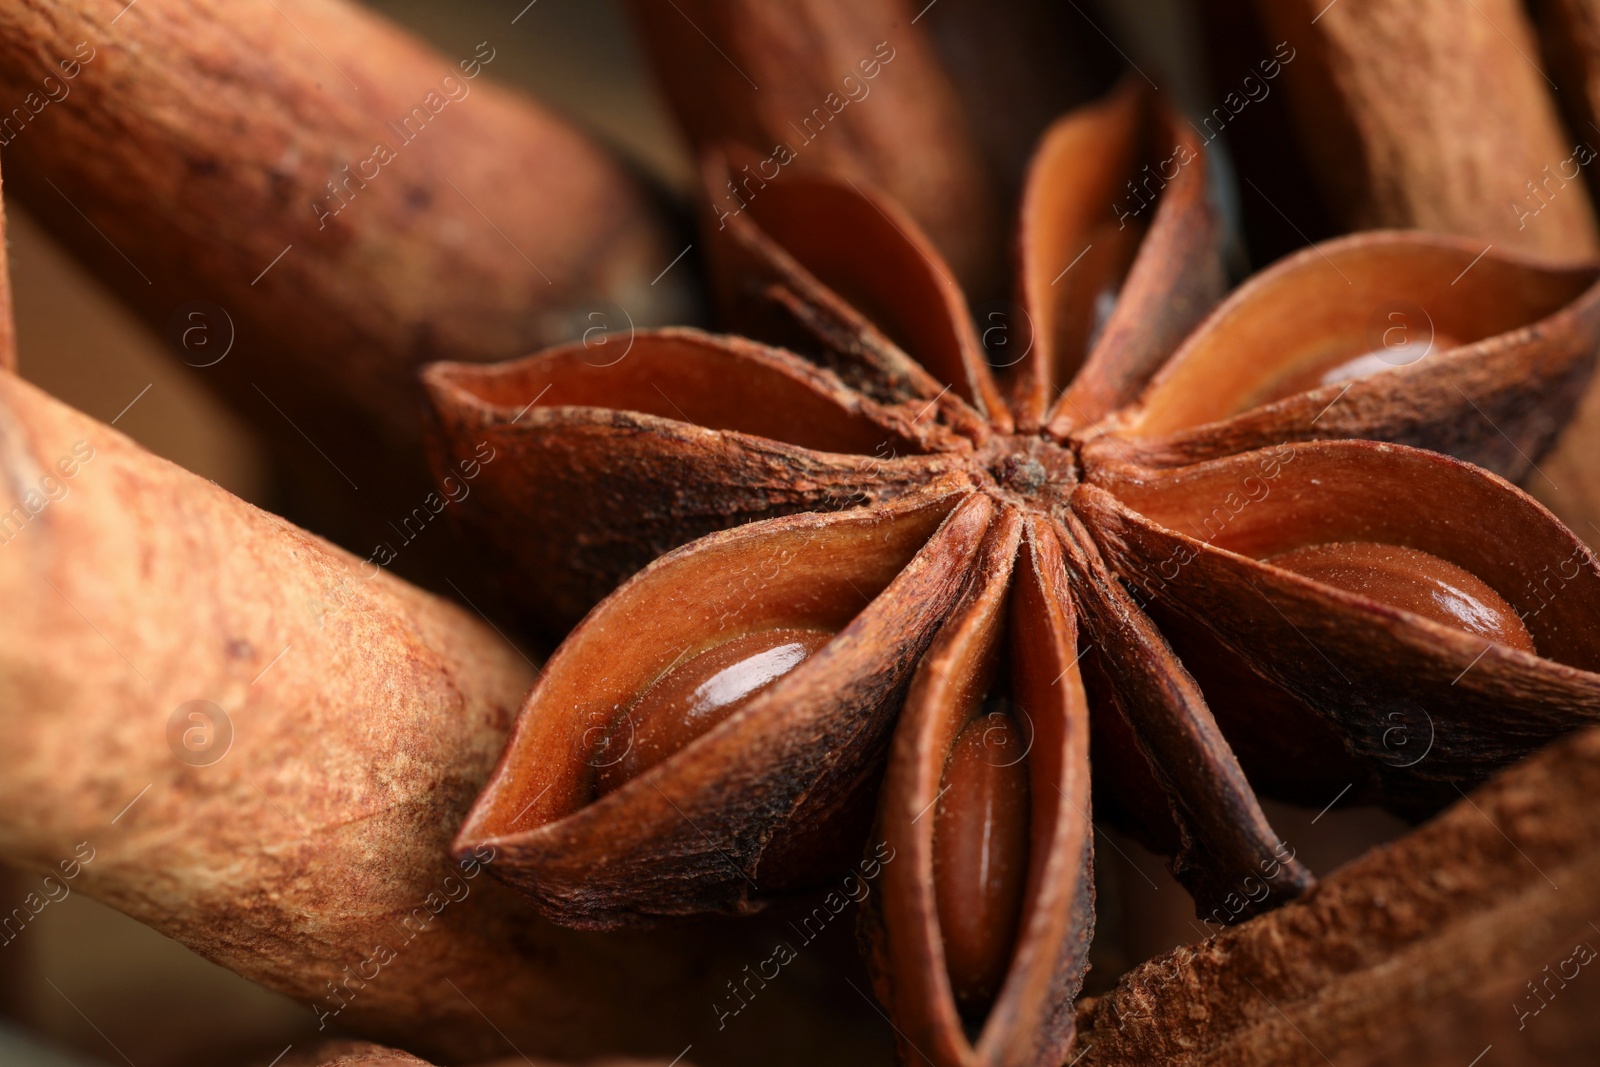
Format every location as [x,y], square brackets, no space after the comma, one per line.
[1424,951]
[1569,42]
[852,87]
[1424,113]
[8,325]
[1569,34]
[366,1054]
[260,746]
[340,200]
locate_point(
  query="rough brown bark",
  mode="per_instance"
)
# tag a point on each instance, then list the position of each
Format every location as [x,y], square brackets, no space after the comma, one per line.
[1431,115]
[8,326]
[853,88]
[300,819]
[1420,952]
[198,141]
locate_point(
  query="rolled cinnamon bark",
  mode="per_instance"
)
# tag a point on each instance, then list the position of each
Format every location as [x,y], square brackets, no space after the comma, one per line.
[1427,114]
[260,746]
[1569,41]
[341,202]
[852,87]
[1569,33]
[1420,952]
[365,1054]
[8,326]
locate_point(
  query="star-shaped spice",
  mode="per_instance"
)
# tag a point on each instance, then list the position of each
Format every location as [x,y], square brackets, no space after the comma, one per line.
[892,592]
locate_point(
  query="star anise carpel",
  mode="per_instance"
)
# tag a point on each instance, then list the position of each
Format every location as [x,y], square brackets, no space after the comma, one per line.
[875,595]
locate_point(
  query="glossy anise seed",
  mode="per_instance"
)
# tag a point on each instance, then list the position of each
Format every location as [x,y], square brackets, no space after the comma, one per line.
[1414,581]
[981,856]
[695,696]
[1350,359]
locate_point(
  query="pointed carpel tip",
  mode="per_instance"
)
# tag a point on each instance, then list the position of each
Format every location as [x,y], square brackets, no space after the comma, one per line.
[476,831]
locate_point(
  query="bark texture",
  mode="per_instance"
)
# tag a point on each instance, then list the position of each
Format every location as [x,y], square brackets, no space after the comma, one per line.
[8,325]
[347,202]
[1434,116]
[1448,930]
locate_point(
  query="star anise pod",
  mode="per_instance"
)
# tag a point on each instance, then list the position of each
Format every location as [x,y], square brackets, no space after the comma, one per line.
[899,580]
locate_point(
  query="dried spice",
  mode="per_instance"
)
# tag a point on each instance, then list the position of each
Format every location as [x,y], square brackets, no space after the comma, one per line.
[1422,114]
[1002,560]
[1569,38]
[1425,950]
[307,245]
[8,325]
[851,585]
[260,746]
[1410,116]
[794,81]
